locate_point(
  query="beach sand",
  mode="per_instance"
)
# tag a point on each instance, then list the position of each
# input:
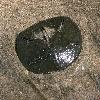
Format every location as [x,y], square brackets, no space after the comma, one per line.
[80,81]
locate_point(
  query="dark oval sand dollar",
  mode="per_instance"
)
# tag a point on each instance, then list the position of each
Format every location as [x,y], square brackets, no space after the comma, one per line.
[49,45]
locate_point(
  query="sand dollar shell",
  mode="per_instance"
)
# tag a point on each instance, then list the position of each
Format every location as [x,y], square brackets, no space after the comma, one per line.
[49,45]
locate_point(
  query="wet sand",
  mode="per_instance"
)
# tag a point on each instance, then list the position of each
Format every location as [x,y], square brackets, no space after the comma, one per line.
[80,81]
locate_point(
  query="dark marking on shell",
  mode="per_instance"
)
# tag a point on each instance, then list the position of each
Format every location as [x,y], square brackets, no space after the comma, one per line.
[49,45]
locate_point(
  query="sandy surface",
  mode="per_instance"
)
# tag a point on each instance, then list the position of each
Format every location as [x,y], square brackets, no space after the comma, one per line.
[80,81]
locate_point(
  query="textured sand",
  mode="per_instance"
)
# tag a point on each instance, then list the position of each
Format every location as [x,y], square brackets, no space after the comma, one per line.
[80,81]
